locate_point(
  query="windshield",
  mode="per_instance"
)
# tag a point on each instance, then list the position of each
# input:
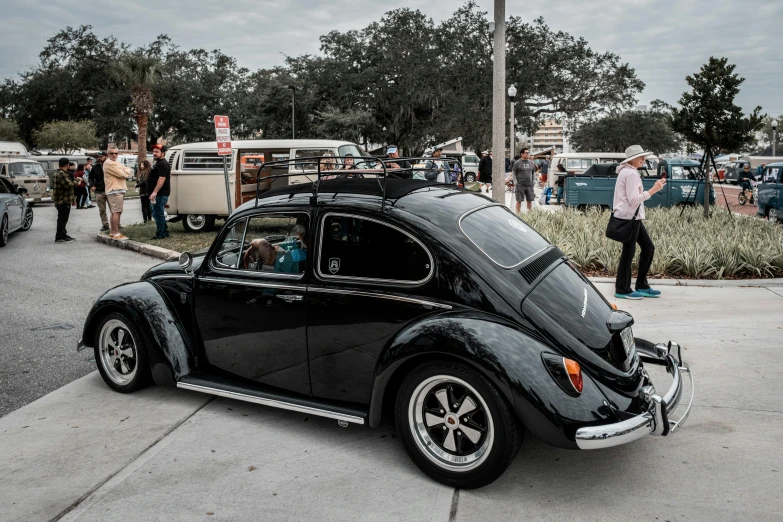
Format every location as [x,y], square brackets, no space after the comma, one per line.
[502,236]
[26,169]
[357,154]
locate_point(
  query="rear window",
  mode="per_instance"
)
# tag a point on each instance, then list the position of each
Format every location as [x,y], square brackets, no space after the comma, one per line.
[501,236]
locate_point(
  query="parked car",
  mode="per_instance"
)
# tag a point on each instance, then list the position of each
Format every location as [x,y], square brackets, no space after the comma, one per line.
[770,193]
[15,211]
[432,305]
[470,163]
[595,186]
[50,162]
[29,174]
[578,162]
[732,170]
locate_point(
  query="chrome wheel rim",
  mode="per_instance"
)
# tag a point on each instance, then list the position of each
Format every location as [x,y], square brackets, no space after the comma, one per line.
[196,221]
[451,423]
[28,219]
[773,215]
[118,353]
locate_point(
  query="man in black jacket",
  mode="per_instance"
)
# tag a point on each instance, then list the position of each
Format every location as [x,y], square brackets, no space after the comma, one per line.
[98,187]
[485,171]
[159,185]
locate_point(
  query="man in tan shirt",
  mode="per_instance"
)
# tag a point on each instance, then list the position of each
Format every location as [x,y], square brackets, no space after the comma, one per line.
[114,176]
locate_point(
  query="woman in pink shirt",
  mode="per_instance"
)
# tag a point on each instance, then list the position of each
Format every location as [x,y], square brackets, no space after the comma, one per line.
[629,198]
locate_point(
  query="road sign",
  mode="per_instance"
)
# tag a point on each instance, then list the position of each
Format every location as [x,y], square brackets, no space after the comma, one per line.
[223,135]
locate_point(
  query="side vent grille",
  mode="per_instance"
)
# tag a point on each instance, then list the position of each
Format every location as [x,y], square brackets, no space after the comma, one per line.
[536,267]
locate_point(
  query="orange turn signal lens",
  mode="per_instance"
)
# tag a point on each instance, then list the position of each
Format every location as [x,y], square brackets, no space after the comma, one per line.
[574,372]
[614,306]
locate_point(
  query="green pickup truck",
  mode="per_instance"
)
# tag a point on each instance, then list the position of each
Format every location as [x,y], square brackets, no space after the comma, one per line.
[595,186]
[771,193]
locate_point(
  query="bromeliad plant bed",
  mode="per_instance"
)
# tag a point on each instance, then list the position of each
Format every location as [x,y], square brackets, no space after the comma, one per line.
[686,245]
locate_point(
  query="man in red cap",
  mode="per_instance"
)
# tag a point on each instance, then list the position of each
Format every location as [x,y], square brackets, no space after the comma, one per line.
[159,184]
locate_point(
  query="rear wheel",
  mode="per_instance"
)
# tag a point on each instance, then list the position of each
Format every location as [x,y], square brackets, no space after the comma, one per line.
[121,354]
[198,222]
[773,215]
[470,177]
[455,425]
[742,198]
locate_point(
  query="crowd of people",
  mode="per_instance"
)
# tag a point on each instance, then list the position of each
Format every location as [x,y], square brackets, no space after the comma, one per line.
[106,184]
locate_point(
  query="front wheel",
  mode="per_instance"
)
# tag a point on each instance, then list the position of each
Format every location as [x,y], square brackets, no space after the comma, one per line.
[27,222]
[198,223]
[4,231]
[121,354]
[455,425]
[773,215]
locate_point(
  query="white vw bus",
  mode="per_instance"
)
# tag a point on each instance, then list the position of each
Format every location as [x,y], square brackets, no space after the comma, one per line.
[198,190]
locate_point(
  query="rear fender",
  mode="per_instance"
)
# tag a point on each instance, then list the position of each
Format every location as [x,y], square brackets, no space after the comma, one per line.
[506,354]
[168,347]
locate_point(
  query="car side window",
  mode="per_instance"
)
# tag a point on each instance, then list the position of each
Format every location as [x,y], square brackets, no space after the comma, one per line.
[362,248]
[230,251]
[276,243]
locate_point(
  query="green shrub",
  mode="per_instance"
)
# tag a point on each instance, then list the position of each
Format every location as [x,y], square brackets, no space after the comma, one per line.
[685,246]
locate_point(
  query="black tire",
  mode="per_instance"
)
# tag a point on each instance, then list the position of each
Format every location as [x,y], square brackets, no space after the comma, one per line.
[198,222]
[27,221]
[773,216]
[471,463]
[132,356]
[4,231]
[470,177]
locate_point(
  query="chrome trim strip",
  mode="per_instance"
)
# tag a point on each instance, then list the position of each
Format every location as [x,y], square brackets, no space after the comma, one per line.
[369,279]
[245,282]
[170,276]
[466,214]
[380,296]
[274,403]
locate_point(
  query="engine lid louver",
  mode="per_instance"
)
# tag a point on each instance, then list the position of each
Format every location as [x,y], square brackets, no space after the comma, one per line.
[533,269]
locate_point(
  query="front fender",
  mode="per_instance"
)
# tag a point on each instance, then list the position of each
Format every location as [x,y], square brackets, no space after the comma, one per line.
[166,342]
[510,357]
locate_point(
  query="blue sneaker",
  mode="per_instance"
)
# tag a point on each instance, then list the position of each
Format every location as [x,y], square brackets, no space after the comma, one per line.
[649,292]
[633,295]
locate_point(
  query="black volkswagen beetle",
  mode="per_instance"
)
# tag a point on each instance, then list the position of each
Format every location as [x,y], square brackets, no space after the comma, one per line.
[417,301]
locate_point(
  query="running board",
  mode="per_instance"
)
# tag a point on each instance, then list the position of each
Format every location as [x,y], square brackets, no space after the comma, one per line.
[224,388]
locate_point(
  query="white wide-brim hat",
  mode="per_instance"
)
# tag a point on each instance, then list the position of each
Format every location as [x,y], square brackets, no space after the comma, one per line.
[635,151]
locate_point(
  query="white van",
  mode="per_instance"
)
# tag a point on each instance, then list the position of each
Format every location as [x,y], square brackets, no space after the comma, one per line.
[198,189]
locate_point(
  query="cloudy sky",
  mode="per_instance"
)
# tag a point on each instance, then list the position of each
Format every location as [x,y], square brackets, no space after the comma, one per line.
[664,40]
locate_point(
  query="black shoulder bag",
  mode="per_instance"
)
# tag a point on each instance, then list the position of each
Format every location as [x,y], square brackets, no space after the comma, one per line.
[621,230]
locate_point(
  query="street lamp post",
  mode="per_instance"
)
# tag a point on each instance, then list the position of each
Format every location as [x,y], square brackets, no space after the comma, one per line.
[774,128]
[293,111]
[512,94]
[498,100]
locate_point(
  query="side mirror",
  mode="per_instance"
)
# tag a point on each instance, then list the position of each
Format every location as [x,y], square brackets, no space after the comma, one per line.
[185,261]
[21,190]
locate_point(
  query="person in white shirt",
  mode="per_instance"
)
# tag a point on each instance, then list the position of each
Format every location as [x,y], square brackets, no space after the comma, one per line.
[438,169]
[629,198]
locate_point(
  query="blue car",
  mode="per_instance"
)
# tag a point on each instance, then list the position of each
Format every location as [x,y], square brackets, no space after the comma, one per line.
[15,212]
[771,193]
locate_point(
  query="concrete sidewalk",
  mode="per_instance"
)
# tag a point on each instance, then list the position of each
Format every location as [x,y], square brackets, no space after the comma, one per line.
[165,454]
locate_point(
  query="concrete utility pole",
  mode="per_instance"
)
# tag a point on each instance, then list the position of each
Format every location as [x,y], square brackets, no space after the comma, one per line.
[499,104]
[512,95]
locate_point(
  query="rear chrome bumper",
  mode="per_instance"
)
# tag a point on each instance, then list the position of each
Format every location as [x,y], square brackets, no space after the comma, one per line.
[656,419]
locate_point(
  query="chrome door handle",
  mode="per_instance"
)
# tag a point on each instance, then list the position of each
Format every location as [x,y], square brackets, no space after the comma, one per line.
[288,298]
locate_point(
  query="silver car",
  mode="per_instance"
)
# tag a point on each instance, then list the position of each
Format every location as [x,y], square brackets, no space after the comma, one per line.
[15,212]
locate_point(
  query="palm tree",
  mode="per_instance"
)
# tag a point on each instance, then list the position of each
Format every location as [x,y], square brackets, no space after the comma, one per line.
[139,72]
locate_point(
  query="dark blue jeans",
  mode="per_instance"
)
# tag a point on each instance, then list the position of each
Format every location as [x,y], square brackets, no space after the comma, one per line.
[161,228]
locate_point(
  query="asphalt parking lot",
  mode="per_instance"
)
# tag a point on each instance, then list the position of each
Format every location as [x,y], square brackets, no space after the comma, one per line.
[46,290]
[86,453]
